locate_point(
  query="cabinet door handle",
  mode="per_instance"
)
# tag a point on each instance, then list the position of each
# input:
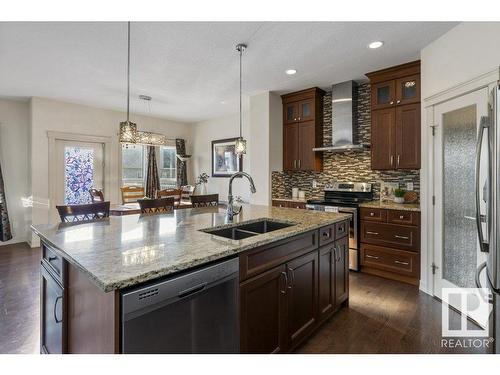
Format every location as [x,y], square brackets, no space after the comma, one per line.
[55,309]
[401,217]
[299,163]
[403,263]
[283,291]
[392,102]
[374,233]
[398,160]
[372,213]
[371,256]
[292,278]
[402,237]
[295,119]
[339,253]
[299,118]
[295,164]
[392,159]
[334,258]
[398,101]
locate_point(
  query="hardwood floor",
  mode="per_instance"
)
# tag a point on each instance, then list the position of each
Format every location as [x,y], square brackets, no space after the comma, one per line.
[19,299]
[383,316]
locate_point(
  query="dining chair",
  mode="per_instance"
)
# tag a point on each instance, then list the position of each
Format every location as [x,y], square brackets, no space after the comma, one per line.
[158,205]
[83,212]
[96,195]
[205,200]
[131,194]
[176,193]
[187,192]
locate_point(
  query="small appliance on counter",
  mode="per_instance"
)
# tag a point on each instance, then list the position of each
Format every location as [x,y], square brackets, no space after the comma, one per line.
[345,197]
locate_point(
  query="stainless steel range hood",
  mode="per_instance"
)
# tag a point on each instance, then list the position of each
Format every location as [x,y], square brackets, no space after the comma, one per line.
[344,121]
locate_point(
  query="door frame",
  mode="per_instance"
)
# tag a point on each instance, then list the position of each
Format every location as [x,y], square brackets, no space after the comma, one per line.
[54,136]
[427,234]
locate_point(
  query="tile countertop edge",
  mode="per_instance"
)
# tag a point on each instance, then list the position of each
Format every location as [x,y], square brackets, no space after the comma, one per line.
[391,206]
[165,271]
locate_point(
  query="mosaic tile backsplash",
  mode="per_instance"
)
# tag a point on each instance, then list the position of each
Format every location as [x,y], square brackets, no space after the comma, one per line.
[347,166]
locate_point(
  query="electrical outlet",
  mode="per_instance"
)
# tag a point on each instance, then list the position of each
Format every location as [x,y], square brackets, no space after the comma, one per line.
[314,184]
[409,186]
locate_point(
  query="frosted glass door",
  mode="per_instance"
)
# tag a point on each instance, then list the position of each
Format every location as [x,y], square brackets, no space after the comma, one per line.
[456,245]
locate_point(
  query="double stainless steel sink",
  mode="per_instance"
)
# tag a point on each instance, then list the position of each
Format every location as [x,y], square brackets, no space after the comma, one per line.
[245,230]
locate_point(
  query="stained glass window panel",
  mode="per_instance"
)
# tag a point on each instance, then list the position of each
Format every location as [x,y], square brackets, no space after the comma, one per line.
[79,174]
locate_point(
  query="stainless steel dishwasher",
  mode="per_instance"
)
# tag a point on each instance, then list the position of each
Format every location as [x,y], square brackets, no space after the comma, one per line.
[196,312]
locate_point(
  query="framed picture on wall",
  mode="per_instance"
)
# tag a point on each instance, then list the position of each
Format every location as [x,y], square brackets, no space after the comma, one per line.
[225,162]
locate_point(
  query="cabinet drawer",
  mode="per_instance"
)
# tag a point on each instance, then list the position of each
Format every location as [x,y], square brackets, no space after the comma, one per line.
[299,205]
[341,229]
[53,261]
[374,214]
[391,235]
[282,204]
[397,261]
[403,217]
[255,261]
[326,235]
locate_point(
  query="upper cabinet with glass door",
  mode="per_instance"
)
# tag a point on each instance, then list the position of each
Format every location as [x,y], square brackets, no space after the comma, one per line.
[408,90]
[383,95]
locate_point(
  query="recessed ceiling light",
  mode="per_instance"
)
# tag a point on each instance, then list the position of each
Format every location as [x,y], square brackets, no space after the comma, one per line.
[290,72]
[376,44]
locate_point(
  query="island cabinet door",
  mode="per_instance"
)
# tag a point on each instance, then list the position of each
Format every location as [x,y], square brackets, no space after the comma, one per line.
[326,300]
[263,312]
[52,311]
[302,297]
[341,270]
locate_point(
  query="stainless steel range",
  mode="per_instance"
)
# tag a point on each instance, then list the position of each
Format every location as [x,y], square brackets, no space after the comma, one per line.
[345,197]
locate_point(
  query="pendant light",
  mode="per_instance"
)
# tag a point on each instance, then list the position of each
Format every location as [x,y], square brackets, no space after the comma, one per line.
[241,144]
[128,129]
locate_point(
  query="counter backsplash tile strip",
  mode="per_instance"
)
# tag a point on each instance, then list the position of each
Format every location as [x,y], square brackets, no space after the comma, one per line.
[354,166]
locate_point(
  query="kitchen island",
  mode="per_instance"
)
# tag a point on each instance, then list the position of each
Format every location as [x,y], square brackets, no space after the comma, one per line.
[87,268]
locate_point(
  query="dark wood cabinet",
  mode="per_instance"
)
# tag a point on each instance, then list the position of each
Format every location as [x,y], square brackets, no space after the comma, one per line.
[263,312]
[289,204]
[326,272]
[341,257]
[302,297]
[303,130]
[395,128]
[390,244]
[52,313]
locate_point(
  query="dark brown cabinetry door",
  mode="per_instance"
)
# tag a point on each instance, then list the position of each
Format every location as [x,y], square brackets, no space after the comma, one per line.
[306,110]
[263,312]
[341,270]
[52,314]
[408,136]
[302,296]
[383,95]
[408,90]
[326,300]
[383,135]
[307,139]
[290,146]
[290,113]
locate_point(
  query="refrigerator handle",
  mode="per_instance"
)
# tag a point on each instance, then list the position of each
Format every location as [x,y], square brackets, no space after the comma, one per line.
[480,269]
[483,125]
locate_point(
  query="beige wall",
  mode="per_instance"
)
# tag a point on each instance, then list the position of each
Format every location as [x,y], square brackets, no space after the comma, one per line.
[50,115]
[14,145]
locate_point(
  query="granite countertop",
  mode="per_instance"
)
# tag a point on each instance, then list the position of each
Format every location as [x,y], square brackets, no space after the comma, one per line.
[304,200]
[126,250]
[391,205]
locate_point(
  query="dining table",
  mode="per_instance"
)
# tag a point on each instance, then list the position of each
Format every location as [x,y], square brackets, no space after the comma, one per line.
[133,208]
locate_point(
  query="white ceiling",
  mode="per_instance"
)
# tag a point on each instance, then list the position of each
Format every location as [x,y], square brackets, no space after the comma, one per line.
[189,68]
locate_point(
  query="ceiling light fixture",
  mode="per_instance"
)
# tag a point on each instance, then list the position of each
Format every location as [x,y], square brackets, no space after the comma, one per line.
[376,44]
[290,72]
[241,144]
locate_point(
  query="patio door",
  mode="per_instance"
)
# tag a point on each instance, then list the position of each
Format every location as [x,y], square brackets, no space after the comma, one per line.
[79,168]
[456,247]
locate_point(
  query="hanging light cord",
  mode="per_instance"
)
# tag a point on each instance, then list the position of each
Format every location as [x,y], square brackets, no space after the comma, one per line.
[128,71]
[241,52]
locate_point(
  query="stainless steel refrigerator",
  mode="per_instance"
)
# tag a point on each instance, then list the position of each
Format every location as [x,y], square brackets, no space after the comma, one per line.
[488,222]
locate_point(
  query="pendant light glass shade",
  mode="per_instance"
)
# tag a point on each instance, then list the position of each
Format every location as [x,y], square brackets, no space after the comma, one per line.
[128,132]
[151,139]
[240,147]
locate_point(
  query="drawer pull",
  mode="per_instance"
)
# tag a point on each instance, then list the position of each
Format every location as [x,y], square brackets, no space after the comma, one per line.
[402,237]
[52,258]
[401,217]
[370,232]
[341,229]
[403,263]
[371,256]
[372,213]
[326,234]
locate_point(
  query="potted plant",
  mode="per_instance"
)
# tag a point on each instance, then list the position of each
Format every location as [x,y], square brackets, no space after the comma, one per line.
[399,195]
[202,181]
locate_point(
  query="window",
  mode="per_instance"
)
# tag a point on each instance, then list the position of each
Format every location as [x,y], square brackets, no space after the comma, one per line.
[167,167]
[134,165]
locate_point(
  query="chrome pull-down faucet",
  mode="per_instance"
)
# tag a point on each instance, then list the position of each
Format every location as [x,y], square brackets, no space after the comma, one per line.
[231,212]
